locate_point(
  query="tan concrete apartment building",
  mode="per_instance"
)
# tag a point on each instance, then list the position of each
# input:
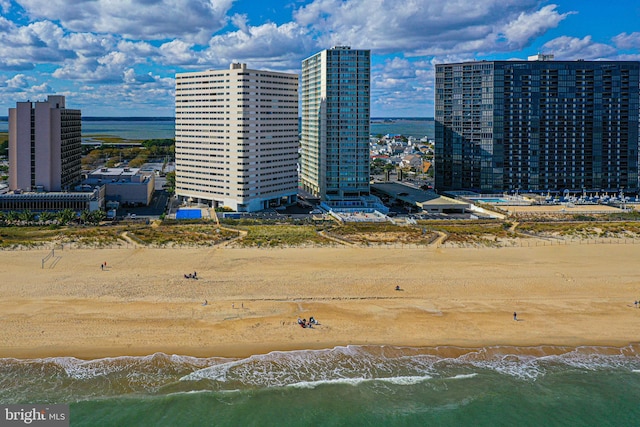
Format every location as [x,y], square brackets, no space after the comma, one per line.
[237,138]
[45,146]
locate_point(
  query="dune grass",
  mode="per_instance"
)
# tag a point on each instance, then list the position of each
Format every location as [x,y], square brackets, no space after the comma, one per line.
[382,233]
[281,235]
[196,234]
[31,236]
[254,233]
[583,230]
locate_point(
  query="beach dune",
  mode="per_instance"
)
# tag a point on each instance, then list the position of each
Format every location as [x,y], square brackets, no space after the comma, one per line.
[141,303]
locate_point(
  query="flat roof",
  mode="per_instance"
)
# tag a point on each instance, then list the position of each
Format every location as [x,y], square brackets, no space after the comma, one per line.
[115,171]
[416,196]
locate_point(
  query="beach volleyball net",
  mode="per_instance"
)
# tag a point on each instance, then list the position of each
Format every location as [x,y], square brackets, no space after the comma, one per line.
[50,255]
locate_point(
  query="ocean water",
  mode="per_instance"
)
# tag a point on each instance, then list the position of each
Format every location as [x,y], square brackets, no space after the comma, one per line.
[343,386]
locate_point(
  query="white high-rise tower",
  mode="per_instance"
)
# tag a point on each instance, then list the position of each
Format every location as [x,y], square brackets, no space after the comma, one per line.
[334,163]
[237,137]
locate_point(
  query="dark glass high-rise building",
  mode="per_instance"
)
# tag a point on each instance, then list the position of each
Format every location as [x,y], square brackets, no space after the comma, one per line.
[537,125]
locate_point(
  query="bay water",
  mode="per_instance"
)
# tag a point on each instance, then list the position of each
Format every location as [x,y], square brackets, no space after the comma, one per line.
[142,128]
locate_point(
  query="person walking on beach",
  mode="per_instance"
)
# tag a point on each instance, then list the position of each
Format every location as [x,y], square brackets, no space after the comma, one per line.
[515,316]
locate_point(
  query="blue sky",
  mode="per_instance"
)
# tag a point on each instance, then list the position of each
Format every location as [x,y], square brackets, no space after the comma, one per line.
[119,57]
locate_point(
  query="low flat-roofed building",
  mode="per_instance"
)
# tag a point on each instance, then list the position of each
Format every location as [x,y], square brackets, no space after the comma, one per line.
[428,201]
[79,201]
[124,185]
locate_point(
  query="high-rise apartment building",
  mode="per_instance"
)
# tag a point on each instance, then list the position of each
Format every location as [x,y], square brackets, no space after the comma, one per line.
[237,137]
[45,146]
[537,125]
[334,162]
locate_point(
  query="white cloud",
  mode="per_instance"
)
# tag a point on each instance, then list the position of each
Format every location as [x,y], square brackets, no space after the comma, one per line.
[137,98]
[428,27]
[88,44]
[528,26]
[105,69]
[136,19]
[627,41]
[16,64]
[177,52]
[140,49]
[395,74]
[573,48]
[38,42]
[403,86]
[627,57]
[42,89]
[268,45]
[19,81]
[6,25]
[130,77]
[22,87]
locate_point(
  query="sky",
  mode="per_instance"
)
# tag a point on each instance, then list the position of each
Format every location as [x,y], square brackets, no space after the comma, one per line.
[120,57]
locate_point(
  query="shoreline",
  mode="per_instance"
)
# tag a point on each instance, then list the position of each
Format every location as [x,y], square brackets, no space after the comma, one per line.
[240,352]
[565,296]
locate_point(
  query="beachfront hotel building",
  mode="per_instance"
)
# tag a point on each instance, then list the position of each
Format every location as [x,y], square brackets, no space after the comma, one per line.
[44,146]
[334,142]
[538,125]
[237,138]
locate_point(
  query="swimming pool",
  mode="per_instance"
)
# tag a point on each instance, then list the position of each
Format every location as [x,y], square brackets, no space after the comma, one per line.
[189,214]
[491,200]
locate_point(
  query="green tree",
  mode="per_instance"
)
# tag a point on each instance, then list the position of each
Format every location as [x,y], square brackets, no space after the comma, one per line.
[66,216]
[140,160]
[27,216]
[171,182]
[46,216]
[88,217]
[149,143]
[111,162]
[85,216]
[13,217]
[96,216]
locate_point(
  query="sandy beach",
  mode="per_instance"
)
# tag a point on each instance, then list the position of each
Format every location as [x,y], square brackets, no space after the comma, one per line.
[569,295]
